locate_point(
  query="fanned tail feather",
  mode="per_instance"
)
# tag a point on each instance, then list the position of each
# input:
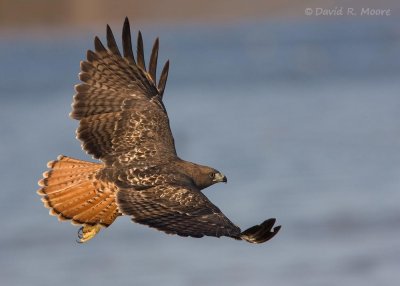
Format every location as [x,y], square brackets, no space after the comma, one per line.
[71,192]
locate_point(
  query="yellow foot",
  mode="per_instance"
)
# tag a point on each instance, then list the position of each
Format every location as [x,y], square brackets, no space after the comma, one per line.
[87,232]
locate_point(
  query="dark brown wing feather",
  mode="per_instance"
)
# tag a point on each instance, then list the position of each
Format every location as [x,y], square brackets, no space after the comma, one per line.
[153,61]
[127,43]
[261,233]
[122,117]
[140,52]
[176,210]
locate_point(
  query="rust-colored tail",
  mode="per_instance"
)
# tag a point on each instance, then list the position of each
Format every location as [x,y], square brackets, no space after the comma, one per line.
[71,191]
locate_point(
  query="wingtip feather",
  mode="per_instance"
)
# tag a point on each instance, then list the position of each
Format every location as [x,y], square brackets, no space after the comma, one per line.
[140,52]
[163,79]
[111,43]
[98,45]
[153,61]
[261,233]
[127,42]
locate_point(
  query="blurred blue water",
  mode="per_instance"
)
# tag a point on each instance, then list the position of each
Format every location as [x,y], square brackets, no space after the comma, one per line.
[303,118]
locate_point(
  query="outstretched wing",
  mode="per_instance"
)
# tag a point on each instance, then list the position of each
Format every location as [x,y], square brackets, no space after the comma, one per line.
[176,210]
[123,120]
[185,211]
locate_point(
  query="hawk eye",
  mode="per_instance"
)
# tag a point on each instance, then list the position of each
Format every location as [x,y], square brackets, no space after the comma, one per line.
[212,175]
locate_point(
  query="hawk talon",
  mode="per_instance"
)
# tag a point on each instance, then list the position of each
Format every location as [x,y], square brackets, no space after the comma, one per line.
[80,233]
[87,232]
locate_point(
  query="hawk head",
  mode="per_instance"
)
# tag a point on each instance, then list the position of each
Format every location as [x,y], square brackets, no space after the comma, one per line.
[204,177]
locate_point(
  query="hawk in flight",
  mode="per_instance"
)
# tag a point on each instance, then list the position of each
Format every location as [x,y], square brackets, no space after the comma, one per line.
[123,123]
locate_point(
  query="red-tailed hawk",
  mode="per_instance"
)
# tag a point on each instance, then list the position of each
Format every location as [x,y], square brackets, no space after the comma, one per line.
[123,122]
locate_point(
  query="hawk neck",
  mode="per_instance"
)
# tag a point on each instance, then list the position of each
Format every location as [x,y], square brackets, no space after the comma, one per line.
[199,174]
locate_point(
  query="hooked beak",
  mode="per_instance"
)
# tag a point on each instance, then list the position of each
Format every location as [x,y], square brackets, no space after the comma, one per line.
[219,177]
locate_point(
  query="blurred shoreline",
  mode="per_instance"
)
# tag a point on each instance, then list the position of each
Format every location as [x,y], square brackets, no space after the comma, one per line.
[45,13]
[23,15]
